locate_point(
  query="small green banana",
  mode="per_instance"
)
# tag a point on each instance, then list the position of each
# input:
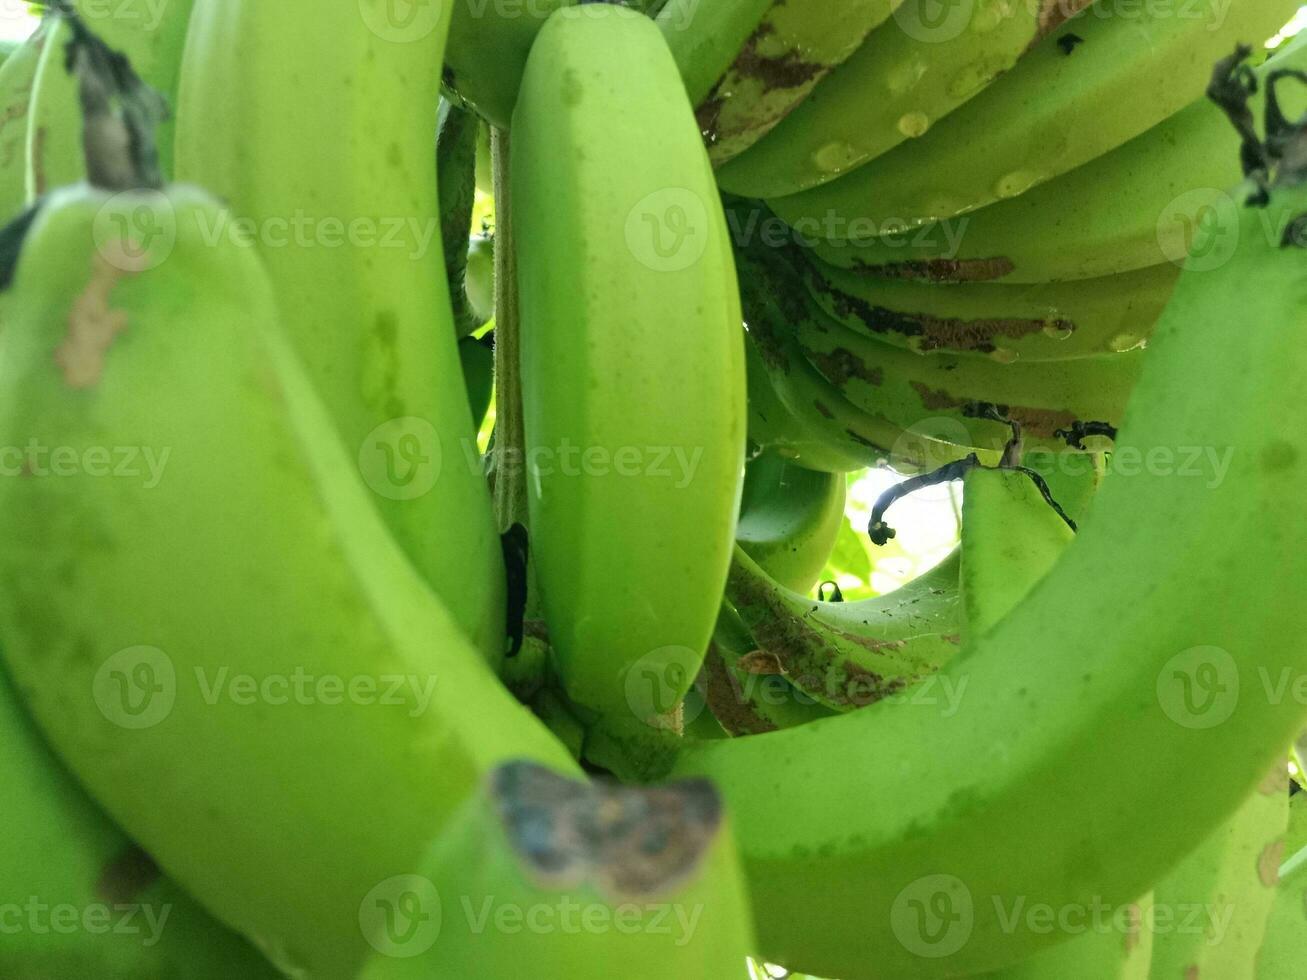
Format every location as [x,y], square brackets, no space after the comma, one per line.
[335,185]
[213,625]
[847,655]
[571,880]
[789,519]
[633,377]
[1061,106]
[1038,322]
[909,73]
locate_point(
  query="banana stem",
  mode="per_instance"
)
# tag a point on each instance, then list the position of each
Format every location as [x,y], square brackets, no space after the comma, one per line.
[509,451]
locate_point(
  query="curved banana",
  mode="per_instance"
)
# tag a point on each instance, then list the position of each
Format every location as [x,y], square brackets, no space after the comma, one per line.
[909,73]
[1281,955]
[60,856]
[1147,202]
[213,621]
[1220,897]
[626,283]
[706,36]
[789,519]
[487,51]
[570,879]
[1057,109]
[1038,322]
[910,389]
[792,47]
[336,186]
[848,655]
[741,693]
[886,862]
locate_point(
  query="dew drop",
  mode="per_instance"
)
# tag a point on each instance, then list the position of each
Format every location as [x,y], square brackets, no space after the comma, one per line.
[914,124]
[1004,355]
[974,77]
[834,157]
[1015,183]
[902,78]
[1058,330]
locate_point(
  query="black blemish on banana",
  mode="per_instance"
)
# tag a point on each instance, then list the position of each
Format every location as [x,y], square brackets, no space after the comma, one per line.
[631,842]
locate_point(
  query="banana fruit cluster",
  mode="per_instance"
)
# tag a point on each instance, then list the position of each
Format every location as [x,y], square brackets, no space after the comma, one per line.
[300,678]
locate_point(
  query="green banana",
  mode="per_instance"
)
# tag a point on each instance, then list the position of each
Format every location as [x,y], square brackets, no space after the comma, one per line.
[634,483]
[1281,956]
[847,655]
[909,389]
[1039,322]
[1011,539]
[906,862]
[1147,202]
[478,359]
[1218,899]
[773,428]
[340,194]
[1051,113]
[54,138]
[487,51]
[706,36]
[789,519]
[17,77]
[741,693]
[910,73]
[791,47]
[212,631]
[61,857]
[568,880]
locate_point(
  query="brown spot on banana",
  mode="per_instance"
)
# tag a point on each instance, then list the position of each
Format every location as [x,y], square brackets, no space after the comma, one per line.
[940,270]
[92,323]
[630,842]
[1041,422]
[726,699]
[1053,14]
[1268,863]
[841,365]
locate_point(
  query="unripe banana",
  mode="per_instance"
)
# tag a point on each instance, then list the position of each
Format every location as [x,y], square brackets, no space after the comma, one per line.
[848,655]
[1281,955]
[789,519]
[633,374]
[1036,322]
[1218,899]
[909,73]
[337,183]
[1060,107]
[1149,201]
[1119,949]
[62,860]
[904,862]
[17,76]
[570,880]
[782,55]
[225,631]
